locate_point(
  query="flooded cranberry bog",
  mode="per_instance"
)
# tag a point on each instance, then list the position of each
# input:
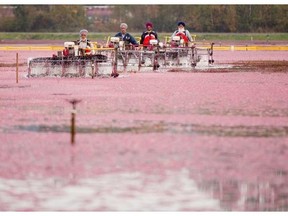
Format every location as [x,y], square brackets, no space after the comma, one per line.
[210,139]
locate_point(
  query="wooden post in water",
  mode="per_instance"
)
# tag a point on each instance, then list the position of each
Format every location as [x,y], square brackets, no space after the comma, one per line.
[17,68]
[73,119]
[73,114]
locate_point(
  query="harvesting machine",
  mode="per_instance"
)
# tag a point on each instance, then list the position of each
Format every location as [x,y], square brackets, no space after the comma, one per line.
[117,57]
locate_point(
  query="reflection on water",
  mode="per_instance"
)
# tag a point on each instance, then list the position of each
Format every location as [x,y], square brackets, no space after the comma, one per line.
[135,191]
[234,195]
[219,167]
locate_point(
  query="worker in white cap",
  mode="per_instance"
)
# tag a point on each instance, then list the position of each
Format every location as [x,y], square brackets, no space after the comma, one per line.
[84,44]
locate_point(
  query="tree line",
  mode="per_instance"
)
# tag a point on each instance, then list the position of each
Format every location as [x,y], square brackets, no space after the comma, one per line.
[198,18]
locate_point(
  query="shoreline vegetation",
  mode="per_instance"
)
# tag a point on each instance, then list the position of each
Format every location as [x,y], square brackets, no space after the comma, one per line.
[265,37]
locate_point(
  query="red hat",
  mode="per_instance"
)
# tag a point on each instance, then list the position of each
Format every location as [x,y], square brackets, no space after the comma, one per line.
[149,24]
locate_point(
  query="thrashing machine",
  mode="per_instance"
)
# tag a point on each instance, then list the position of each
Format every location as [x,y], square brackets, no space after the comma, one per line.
[171,55]
[71,62]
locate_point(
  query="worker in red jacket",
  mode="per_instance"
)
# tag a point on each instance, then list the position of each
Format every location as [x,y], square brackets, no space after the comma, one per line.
[183,33]
[148,35]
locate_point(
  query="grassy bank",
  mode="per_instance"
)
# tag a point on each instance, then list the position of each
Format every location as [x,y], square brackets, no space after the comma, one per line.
[103,36]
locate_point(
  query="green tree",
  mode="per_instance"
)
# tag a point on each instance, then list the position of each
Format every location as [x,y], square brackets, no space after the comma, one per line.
[243,18]
[49,17]
[198,18]
[68,18]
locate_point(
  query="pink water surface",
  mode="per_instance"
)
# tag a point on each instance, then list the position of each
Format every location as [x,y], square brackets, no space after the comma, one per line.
[173,141]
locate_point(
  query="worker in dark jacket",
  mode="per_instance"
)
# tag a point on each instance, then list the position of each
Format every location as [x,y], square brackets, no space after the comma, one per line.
[125,36]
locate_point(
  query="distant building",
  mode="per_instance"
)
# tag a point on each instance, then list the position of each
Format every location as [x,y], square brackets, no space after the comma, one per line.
[92,12]
[99,13]
[6,11]
[98,16]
